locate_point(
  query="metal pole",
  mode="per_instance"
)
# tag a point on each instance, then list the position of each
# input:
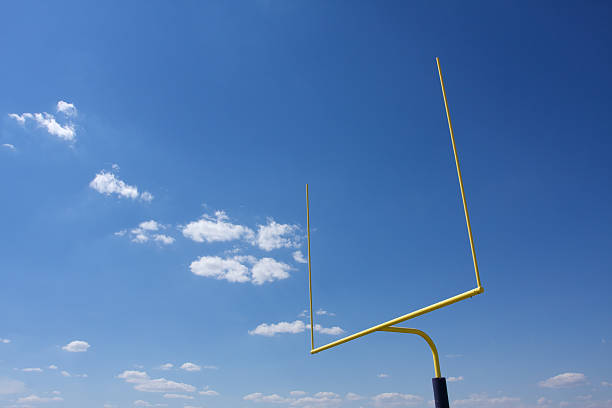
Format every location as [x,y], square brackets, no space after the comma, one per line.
[440,392]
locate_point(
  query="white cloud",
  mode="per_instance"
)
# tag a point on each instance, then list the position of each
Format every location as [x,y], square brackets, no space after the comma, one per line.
[5,341]
[66,108]
[8,386]
[270,330]
[455,379]
[107,183]
[9,146]
[269,270]
[21,118]
[147,231]
[209,393]
[395,399]
[178,396]
[482,400]
[606,384]
[35,398]
[144,383]
[351,396]
[272,398]
[32,370]
[294,327]
[320,399]
[77,346]
[52,367]
[275,235]
[141,403]
[382,375]
[234,270]
[563,380]
[297,393]
[215,229]
[47,121]
[322,312]
[191,367]
[146,196]
[299,257]
[65,373]
[166,366]
[219,268]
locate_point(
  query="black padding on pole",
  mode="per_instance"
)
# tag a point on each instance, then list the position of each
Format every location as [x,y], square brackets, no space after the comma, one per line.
[440,392]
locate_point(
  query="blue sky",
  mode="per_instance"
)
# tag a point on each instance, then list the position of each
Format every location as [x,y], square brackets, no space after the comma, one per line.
[153,163]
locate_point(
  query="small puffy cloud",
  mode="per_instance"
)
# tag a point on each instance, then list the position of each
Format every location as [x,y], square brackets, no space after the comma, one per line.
[382,375]
[396,399]
[8,146]
[351,396]
[269,270]
[483,400]
[191,367]
[178,396]
[144,383]
[269,399]
[8,386]
[294,327]
[66,108]
[141,403]
[564,380]
[223,269]
[299,257]
[274,235]
[108,183]
[52,367]
[34,398]
[270,330]
[234,269]
[32,370]
[166,366]
[4,341]
[455,379]
[215,228]
[163,239]
[146,196]
[65,373]
[76,346]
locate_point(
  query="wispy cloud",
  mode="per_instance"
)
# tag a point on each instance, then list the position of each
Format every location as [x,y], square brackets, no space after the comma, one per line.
[454,379]
[32,370]
[564,380]
[142,382]
[396,399]
[191,367]
[483,400]
[48,121]
[178,396]
[36,399]
[297,326]
[9,146]
[383,375]
[147,231]
[4,341]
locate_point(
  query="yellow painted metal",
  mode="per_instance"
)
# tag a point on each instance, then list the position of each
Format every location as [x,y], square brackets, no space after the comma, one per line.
[434,350]
[465,209]
[387,326]
[309,270]
[400,319]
